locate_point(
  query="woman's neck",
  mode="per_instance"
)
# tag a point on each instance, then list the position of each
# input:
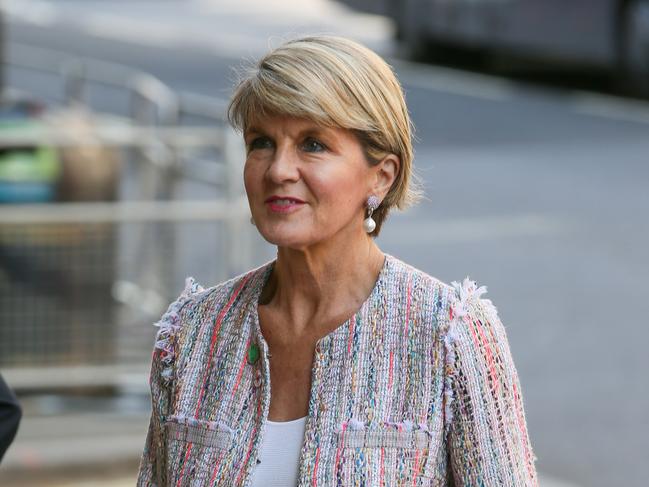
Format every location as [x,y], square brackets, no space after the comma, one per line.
[310,286]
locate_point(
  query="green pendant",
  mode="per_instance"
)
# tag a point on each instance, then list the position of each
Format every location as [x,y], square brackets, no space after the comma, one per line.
[253,353]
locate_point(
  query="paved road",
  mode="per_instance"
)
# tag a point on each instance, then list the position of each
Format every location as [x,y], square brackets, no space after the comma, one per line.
[540,194]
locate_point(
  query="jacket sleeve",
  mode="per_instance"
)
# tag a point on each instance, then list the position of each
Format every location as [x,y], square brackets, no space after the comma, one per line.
[10,415]
[152,471]
[487,437]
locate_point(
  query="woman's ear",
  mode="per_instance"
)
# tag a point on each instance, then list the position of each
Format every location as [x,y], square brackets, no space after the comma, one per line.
[386,172]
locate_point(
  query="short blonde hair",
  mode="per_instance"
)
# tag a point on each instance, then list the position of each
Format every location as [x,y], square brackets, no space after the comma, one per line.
[335,82]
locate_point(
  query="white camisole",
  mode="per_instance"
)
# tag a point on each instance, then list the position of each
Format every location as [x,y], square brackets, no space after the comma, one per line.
[279,454]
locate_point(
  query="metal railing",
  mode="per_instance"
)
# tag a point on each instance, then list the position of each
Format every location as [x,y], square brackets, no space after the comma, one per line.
[82,281]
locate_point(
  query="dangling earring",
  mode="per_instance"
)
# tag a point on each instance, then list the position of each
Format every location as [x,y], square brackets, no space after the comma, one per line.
[372,204]
[252,220]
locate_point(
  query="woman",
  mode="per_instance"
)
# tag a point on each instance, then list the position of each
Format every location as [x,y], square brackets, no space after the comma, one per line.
[334,364]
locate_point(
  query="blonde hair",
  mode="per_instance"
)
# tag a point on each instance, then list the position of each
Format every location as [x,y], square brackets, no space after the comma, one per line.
[335,82]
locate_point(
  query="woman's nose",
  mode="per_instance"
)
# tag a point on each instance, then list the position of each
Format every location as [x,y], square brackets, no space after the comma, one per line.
[283,165]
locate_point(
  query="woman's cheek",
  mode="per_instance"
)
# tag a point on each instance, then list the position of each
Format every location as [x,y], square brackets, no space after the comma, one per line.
[250,180]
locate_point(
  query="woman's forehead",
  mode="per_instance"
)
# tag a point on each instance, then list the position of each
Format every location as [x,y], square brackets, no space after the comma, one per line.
[275,122]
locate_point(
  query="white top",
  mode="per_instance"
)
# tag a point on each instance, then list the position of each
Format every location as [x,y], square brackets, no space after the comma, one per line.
[279,454]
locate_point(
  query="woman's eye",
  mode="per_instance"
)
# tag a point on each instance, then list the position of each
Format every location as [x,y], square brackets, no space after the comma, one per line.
[312,145]
[260,143]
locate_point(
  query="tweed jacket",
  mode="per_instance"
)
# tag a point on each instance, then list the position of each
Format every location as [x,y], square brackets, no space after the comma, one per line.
[417,388]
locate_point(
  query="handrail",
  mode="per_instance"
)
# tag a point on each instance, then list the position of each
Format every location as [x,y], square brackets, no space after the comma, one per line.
[115,132]
[122,211]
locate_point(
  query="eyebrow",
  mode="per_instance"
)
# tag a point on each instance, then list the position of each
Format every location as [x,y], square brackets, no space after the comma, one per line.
[310,130]
[251,129]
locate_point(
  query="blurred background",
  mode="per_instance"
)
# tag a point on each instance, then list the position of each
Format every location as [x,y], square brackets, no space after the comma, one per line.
[119,177]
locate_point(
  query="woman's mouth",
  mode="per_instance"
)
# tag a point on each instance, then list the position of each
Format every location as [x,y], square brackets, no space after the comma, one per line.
[283,205]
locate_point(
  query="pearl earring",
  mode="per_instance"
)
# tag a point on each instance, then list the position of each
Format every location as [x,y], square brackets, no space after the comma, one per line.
[372,204]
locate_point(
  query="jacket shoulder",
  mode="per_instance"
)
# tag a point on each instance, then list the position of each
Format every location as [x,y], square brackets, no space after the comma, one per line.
[446,301]
[169,326]
[430,293]
[190,310]
[197,296]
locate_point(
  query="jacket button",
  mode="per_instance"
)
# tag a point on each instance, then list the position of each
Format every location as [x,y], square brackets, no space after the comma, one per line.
[253,353]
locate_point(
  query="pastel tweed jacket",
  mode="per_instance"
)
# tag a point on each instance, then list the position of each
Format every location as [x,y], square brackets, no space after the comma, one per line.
[418,388]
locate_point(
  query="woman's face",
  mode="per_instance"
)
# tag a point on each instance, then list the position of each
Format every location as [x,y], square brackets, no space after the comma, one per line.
[305,183]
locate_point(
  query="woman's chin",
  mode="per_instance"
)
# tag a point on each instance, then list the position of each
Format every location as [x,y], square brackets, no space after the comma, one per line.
[287,237]
[280,236]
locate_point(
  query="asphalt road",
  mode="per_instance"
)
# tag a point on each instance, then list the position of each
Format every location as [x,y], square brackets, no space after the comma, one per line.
[539,193]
